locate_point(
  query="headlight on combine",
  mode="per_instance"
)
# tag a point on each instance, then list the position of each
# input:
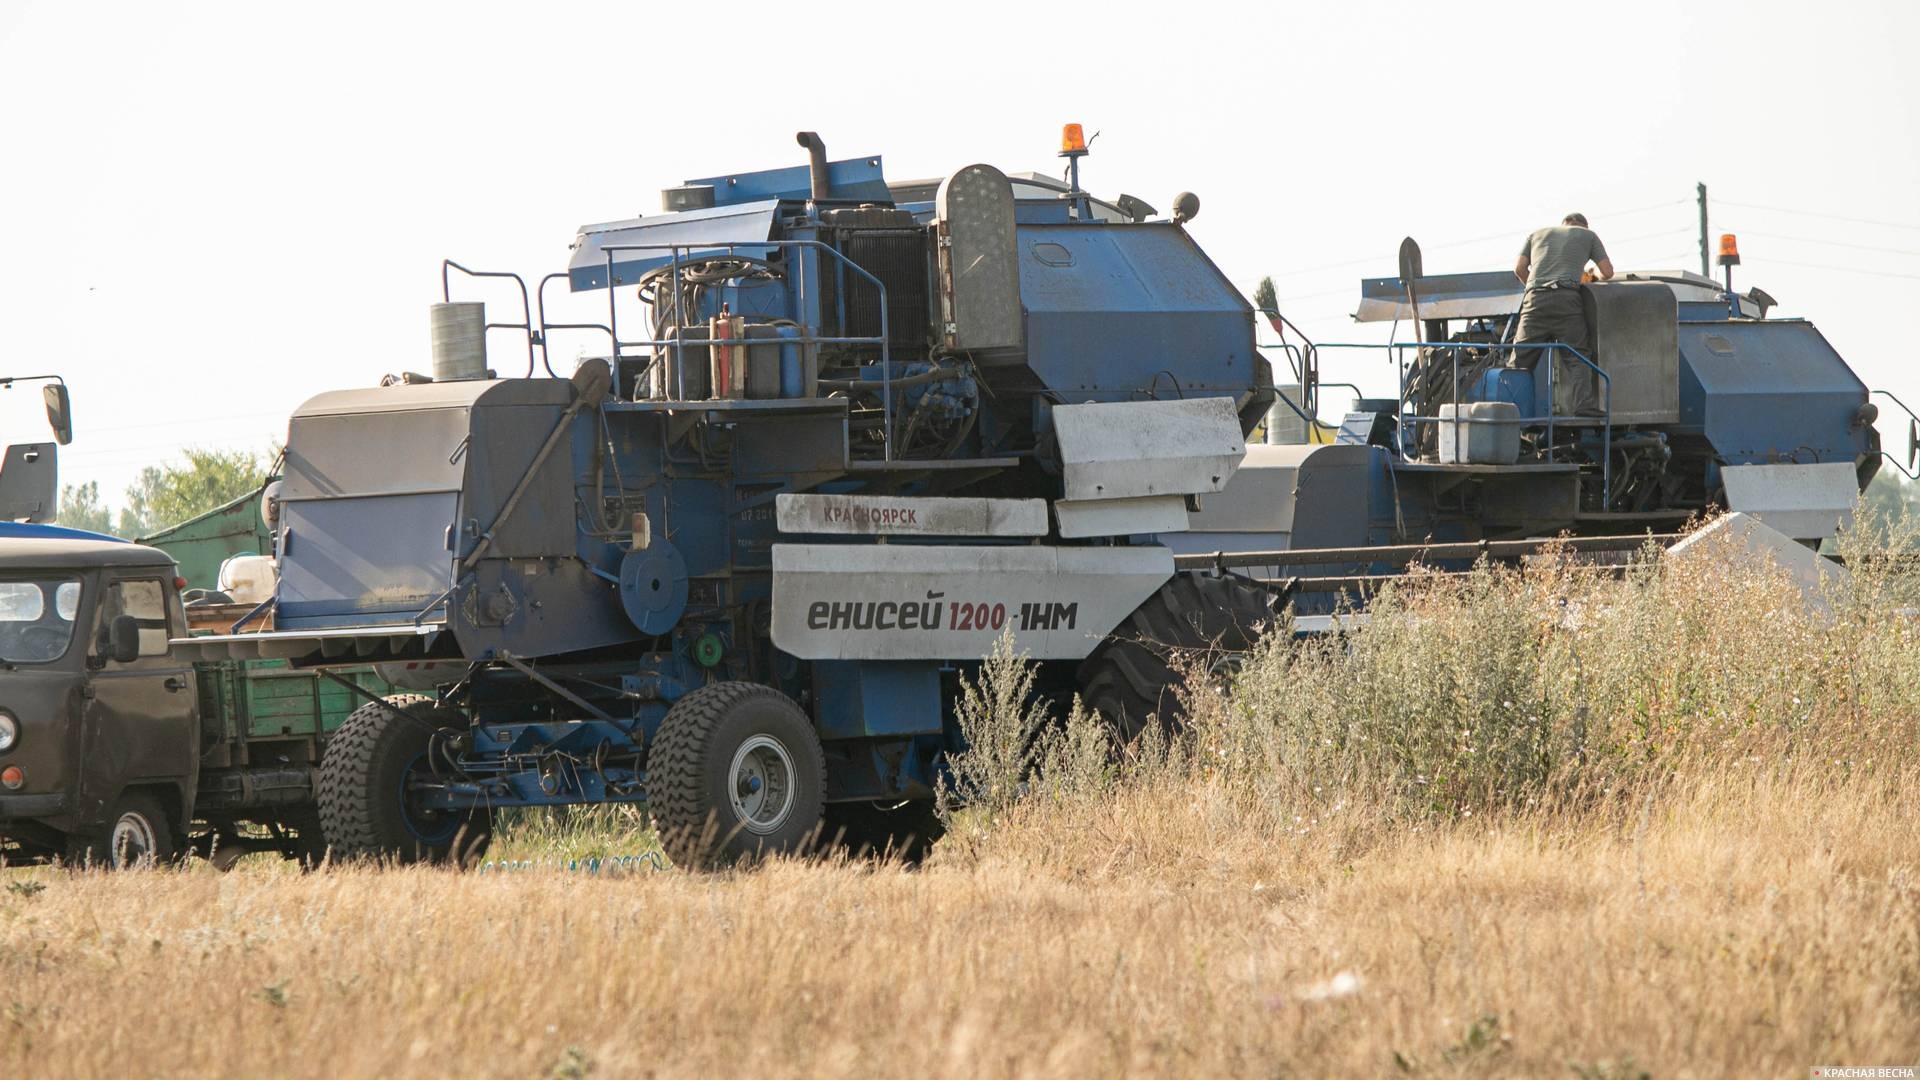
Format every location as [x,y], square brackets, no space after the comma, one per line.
[9,731]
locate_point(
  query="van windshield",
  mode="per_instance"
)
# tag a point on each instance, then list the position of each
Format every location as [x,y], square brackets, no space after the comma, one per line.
[36,619]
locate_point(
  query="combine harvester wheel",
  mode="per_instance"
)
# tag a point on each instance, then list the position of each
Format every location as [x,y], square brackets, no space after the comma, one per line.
[1133,677]
[365,809]
[736,772]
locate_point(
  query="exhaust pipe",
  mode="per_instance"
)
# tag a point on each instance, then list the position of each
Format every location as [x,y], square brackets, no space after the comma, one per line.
[816,162]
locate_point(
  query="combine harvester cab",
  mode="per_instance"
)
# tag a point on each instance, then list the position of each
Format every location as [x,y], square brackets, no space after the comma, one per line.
[1705,404]
[845,436]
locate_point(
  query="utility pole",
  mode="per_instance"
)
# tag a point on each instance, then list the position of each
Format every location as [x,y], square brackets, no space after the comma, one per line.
[1705,270]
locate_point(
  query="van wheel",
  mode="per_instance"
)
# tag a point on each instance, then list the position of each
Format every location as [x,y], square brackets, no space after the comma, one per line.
[367,806]
[735,772]
[136,833]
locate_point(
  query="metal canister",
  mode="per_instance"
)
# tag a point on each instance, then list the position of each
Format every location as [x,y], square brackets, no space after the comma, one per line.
[729,361]
[459,340]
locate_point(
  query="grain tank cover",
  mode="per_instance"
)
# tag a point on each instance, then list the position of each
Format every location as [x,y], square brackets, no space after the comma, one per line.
[1770,391]
[1112,308]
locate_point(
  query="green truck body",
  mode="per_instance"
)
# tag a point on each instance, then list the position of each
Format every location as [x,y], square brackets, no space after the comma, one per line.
[200,544]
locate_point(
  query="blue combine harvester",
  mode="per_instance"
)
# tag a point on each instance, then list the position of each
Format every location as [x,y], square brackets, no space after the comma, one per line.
[1706,404]
[844,436]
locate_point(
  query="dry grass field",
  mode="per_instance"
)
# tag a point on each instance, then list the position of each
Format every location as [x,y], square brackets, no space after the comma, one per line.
[1522,825]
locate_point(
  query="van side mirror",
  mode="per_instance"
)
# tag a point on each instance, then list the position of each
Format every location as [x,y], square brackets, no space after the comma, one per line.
[123,639]
[59,411]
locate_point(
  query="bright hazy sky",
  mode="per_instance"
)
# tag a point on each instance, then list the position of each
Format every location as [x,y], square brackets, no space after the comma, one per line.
[212,212]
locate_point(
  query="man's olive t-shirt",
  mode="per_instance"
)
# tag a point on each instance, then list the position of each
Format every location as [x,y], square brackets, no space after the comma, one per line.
[1560,253]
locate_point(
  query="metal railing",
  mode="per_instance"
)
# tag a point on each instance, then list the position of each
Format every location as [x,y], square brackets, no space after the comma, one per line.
[1408,373]
[1303,358]
[526,325]
[683,253]
[536,328]
[1906,470]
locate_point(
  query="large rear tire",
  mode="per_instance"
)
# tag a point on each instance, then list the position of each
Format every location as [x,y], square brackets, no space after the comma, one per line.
[366,810]
[1134,677]
[735,772]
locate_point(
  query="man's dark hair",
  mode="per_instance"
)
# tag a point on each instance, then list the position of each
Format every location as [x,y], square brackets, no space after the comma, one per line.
[1575,219]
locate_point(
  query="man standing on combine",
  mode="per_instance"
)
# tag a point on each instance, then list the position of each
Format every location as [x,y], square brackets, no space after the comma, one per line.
[1552,263]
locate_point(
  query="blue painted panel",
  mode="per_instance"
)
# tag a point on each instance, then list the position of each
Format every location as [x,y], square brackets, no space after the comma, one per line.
[1765,391]
[861,698]
[21,530]
[712,230]
[855,179]
[1117,307]
[1041,212]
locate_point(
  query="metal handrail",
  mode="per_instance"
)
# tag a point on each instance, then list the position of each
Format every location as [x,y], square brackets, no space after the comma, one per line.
[1309,359]
[683,253]
[1606,381]
[1906,470]
[526,325]
[540,307]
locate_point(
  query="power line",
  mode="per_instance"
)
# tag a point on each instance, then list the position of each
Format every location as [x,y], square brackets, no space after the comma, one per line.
[1653,236]
[1613,214]
[1844,269]
[1446,245]
[148,451]
[1832,243]
[1816,213]
[196,421]
[1333,292]
[1317,295]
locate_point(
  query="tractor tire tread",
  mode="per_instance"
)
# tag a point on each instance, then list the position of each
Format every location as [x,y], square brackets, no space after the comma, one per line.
[676,768]
[350,816]
[1134,674]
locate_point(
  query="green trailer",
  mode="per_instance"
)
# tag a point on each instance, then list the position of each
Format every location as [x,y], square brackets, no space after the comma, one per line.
[263,727]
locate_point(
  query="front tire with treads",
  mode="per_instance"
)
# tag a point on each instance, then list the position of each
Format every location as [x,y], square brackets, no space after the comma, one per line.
[365,810]
[1133,678]
[735,772]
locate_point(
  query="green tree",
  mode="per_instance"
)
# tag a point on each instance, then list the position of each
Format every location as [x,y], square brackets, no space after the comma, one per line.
[81,508]
[166,495]
[1892,503]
